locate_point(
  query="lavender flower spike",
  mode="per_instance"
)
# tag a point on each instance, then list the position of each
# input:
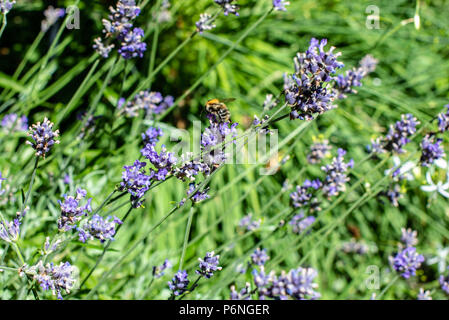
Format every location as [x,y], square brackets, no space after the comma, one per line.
[44,137]
[407,261]
[72,211]
[54,278]
[12,123]
[432,150]
[409,237]
[205,23]
[99,228]
[244,294]
[6,6]
[259,257]
[151,136]
[443,120]
[51,16]
[228,7]
[308,91]
[397,137]
[279,5]
[159,271]
[131,44]
[208,265]
[444,283]
[178,285]
[9,231]
[136,182]
[300,284]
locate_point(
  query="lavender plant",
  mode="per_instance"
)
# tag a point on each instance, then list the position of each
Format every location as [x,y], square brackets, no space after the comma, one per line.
[125,124]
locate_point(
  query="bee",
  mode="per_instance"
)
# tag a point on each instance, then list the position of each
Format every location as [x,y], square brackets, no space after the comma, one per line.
[219,109]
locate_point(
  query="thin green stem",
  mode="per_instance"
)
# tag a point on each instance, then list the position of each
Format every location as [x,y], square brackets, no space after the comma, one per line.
[186,237]
[396,278]
[33,175]
[100,258]
[3,25]
[22,261]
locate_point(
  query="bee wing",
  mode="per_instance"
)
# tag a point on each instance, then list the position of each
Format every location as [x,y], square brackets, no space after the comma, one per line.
[227,100]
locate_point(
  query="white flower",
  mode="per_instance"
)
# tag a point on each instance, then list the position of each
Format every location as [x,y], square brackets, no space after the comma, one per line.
[439,187]
[441,163]
[403,170]
[440,258]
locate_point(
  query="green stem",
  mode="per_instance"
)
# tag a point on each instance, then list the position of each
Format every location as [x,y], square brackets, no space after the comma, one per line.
[100,258]
[186,237]
[22,210]
[387,287]
[22,261]
[3,25]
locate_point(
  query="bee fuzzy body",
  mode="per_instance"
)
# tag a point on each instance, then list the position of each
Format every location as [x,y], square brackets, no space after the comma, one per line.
[219,110]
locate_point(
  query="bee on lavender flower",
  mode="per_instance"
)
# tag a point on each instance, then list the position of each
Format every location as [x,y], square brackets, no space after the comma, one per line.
[219,110]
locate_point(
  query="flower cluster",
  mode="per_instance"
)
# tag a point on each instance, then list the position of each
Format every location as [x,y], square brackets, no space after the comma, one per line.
[208,265]
[308,91]
[6,6]
[431,150]
[303,195]
[119,26]
[368,63]
[336,178]
[189,169]
[11,123]
[424,294]
[51,16]
[300,223]
[72,211]
[50,247]
[344,84]
[44,137]
[163,14]
[135,181]
[132,45]
[54,277]
[99,228]
[279,5]
[89,123]
[393,194]
[443,120]
[259,257]
[205,23]
[151,102]
[318,151]
[244,294]
[296,284]
[214,135]
[162,162]
[444,283]
[151,136]
[397,137]
[409,237]
[247,223]
[354,247]
[9,231]
[159,271]
[228,6]
[199,195]
[178,285]
[407,261]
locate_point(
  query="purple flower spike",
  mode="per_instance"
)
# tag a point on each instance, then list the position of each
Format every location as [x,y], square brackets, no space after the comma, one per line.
[407,261]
